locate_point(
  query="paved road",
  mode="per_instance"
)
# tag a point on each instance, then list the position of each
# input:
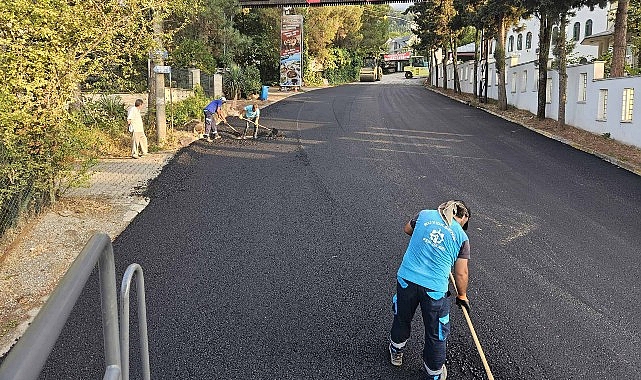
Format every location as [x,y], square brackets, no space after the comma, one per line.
[276,259]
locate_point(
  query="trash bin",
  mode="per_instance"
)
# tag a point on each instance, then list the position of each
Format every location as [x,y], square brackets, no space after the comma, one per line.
[264,92]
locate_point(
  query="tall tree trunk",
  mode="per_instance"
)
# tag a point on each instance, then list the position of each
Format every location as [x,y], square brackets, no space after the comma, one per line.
[444,49]
[487,68]
[545,32]
[620,40]
[476,63]
[457,79]
[563,76]
[499,55]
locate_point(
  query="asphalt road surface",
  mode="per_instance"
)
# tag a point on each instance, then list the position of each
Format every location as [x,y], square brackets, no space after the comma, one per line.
[276,259]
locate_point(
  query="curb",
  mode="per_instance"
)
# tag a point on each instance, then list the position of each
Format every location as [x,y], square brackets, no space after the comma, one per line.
[615,161]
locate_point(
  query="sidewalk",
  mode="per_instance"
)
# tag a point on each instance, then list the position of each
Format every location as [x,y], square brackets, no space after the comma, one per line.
[34,262]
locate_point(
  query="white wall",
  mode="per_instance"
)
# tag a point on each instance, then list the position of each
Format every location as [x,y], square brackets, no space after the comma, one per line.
[583,114]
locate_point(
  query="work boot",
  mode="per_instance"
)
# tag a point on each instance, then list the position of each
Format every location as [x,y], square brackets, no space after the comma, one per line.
[435,375]
[396,355]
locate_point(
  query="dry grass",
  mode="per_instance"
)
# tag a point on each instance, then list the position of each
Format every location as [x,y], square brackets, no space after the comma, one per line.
[624,155]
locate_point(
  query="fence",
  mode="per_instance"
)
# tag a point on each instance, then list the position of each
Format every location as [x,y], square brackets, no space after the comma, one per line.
[603,106]
[27,358]
[17,194]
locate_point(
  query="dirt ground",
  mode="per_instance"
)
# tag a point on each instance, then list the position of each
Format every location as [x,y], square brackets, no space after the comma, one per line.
[39,253]
[625,156]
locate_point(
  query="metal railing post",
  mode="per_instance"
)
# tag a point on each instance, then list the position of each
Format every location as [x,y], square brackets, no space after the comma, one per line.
[133,269]
[27,358]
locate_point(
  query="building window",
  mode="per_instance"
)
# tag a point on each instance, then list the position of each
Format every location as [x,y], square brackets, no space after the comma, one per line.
[548,91]
[535,87]
[628,104]
[524,81]
[510,44]
[514,82]
[577,31]
[603,105]
[528,40]
[519,42]
[583,86]
[588,28]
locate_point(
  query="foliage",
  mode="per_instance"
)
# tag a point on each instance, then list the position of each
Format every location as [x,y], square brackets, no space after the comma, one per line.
[107,114]
[375,28]
[190,108]
[194,53]
[47,49]
[233,81]
[250,81]
[263,27]
[345,67]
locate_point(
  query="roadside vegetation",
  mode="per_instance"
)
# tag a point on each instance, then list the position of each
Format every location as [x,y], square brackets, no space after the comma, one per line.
[63,61]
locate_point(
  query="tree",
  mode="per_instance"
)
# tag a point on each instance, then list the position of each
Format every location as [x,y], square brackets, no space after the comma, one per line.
[374,28]
[620,39]
[431,29]
[47,50]
[497,15]
[550,12]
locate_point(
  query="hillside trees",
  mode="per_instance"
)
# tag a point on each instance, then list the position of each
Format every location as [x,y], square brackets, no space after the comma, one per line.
[374,28]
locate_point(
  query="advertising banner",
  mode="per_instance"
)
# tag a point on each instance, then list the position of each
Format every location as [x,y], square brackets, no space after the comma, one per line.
[397,56]
[291,51]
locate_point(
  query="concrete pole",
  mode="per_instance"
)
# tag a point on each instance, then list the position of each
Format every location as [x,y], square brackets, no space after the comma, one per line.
[159,81]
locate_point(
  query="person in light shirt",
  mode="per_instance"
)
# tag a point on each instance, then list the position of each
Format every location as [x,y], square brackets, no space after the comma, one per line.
[138,138]
[252,115]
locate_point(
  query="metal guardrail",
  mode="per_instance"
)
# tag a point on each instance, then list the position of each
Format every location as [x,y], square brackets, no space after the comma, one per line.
[27,358]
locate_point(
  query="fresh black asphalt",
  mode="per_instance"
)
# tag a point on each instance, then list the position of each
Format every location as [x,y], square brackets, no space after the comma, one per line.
[276,259]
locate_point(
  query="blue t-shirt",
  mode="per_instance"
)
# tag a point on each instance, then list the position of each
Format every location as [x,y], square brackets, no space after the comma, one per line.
[250,113]
[214,105]
[432,251]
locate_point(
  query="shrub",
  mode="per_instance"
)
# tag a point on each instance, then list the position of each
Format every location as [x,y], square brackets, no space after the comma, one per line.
[232,81]
[250,81]
[190,108]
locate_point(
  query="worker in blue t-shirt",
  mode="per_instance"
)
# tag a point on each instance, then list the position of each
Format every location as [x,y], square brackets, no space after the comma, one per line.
[252,115]
[438,242]
[213,116]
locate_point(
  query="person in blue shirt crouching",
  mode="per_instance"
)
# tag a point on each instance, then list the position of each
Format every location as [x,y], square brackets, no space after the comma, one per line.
[438,242]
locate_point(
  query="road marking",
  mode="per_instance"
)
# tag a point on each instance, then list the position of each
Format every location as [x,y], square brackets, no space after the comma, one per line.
[414,131]
[439,155]
[409,136]
[397,143]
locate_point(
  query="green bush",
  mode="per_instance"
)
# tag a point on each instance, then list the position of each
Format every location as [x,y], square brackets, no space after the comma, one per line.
[190,108]
[232,81]
[250,81]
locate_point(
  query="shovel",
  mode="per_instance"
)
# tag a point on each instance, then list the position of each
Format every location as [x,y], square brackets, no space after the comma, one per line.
[272,131]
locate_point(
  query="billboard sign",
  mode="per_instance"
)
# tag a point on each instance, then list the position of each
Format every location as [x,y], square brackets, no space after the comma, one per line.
[291,51]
